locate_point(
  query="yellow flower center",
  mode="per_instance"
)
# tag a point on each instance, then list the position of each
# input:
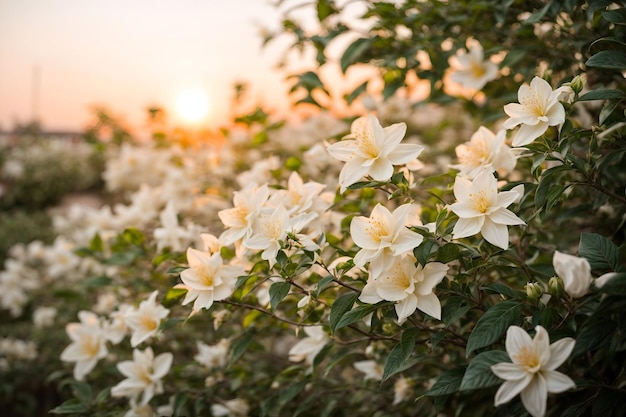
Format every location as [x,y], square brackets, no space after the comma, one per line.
[376,230]
[148,323]
[398,278]
[528,359]
[535,105]
[480,202]
[478,70]
[366,144]
[205,277]
[474,154]
[91,346]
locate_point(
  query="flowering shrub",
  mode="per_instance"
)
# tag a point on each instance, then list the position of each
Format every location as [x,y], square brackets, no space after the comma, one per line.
[349,267]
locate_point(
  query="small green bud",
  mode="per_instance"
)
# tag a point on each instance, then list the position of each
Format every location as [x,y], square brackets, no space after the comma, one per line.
[293,163]
[533,290]
[555,286]
[577,83]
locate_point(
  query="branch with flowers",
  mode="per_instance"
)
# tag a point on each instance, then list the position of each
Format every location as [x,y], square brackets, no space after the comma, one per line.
[356,266]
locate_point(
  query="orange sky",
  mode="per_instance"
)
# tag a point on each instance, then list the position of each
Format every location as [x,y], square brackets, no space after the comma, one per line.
[59,58]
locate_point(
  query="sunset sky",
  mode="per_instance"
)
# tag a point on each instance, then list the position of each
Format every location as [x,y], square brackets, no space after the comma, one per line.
[60,58]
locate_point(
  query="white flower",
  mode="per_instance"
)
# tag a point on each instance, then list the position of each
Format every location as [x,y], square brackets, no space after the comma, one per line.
[171,234]
[213,356]
[307,348]
[401,389]
[144,321]
[88,344]
[575,273]
[538,108]
[371,369]
[299,196]
[410,286]
[44,316]
[471,70]
[143,375]
[238,220]
[207,279]
[532,373]
[231,408]
[482,209]
[384,235]
[485,150]
[372,150]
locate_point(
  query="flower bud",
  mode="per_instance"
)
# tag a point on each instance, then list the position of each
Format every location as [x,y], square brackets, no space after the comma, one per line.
[533,290]
[555,286]
[575,273]
[578,83]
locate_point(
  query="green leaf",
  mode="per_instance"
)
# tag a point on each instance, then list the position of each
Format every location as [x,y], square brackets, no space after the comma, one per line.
[601,253]
[353,53]
[357,314]
[324,9]
[608,109]
[72,406]
[356,93]
[240,345]
[173,296]
[616,285]
[492,325]
[82,391]
[400,354]
[447,253]
[499,288]
[608,60]
[603,94]
[99,281]
[448,383]
[323,283]
[617,16]
[341,306]
[538,15]
[478,373]
[596,333]
[454,309]
[278,291]
[96,245]
[423,252]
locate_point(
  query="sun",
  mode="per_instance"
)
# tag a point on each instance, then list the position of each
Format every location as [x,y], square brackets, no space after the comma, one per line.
[193,105]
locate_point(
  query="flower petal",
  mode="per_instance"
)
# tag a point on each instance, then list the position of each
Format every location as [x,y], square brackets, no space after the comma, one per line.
[381,169]
[496,234]
[467,227]
[430,305]
[516,339]
[405,152]
[406,307]
[535,396]
[505,216]
[510,389]
[558,382]
[528,133]
[559,352]
[509,371]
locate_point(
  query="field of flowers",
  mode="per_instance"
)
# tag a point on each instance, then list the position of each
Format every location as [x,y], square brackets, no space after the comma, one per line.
[460,254]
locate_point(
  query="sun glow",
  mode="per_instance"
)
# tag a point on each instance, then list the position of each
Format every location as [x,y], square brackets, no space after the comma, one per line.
[193,105]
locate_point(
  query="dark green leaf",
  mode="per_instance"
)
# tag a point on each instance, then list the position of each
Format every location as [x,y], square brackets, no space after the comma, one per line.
[617,16]
[72,406]
[595,334]
[96,245]
[608,109]
[605,94]
[601,253]
[357,314]
[492,325]
[423,252]
[353,53]
[499,288]
[278,291]
[400,354]
[323,283]
[239,346]
[341,306]
[538,15]
[454,309]
[615,285]
[448,383]
[608,60]
[324,9]
[478,373]
[447,253]
[100,281]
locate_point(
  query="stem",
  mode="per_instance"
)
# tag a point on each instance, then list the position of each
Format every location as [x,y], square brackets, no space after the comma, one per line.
[264,311]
